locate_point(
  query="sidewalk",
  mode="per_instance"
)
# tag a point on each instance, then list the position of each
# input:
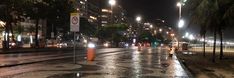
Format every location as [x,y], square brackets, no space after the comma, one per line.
[203,67]
[210,49]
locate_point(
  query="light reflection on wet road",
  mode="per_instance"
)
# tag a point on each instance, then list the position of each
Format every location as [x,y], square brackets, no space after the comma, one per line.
[112,63]
[21,58]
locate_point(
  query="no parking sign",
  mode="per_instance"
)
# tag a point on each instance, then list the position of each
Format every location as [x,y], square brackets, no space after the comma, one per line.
[74,22]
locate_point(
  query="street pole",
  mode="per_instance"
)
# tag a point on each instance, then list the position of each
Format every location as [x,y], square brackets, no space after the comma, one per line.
[112,14]
[178,42]
[112,3]
[74,27]
[74,48]
[180,12]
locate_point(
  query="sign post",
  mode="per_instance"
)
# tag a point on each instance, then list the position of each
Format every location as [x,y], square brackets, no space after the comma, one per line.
[74,27]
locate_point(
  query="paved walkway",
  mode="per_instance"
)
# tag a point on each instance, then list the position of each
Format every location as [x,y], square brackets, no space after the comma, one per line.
[148,63]
[210,49]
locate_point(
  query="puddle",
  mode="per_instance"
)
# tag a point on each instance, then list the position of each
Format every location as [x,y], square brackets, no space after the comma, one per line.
[89,68]
[208,70]
[74,75]
[165,64]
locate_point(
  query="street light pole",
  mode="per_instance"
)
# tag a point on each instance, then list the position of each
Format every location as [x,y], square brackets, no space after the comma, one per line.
[180,23]
[112,3]
[112,14]
[138,19]
[180,6]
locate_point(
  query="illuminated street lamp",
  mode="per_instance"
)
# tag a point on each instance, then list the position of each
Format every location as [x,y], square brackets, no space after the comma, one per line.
[151,26]
[112,2]
[138,19]
[160,30]
[181,23]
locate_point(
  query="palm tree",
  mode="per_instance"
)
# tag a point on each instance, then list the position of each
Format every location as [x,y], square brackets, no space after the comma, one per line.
[10,12]
[198,8]
[226,11]
[214,14]
[36,10]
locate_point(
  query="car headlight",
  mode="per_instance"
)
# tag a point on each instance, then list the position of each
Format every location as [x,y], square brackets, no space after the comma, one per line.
[106,44]
[91,45]
[13,44]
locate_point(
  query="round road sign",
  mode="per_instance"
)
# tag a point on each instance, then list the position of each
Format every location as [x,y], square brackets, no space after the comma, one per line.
[74,20]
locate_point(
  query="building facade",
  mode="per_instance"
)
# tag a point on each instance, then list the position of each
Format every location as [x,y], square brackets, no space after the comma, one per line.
[90,9]
[112,14]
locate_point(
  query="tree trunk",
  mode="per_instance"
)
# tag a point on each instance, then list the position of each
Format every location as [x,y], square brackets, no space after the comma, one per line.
[36,34]
[204,45]
[11,31]
[214,46]
[221,44]
[7,43]
[6,36]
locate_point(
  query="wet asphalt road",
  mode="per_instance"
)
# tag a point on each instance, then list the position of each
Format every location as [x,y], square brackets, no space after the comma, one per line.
[109,63]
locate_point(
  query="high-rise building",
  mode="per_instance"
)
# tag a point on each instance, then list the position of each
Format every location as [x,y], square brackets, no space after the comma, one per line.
[112,14]
[99,12]
[90,9]
[119,15]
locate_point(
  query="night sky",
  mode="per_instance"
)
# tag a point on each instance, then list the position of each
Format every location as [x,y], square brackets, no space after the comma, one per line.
[162,9]
[152,9]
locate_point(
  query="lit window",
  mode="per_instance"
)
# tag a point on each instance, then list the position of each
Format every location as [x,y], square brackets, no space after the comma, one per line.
[106,10]
[104,22]
[81,2]
[105,16]
[93,17]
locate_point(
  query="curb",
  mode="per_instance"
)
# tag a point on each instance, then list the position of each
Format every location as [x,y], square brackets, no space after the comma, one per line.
[36,50]
[190,75]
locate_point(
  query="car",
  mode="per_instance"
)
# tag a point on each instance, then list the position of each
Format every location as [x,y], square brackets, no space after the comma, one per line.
[107,44]
[62,44]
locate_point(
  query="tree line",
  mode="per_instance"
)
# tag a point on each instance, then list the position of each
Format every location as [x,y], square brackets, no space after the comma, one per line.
[212,16]
[55,12]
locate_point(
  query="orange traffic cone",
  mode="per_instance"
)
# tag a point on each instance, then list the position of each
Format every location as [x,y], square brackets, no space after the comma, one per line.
[90,54]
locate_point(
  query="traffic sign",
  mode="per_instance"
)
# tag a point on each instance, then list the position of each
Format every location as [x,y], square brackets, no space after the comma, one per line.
[74,22]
